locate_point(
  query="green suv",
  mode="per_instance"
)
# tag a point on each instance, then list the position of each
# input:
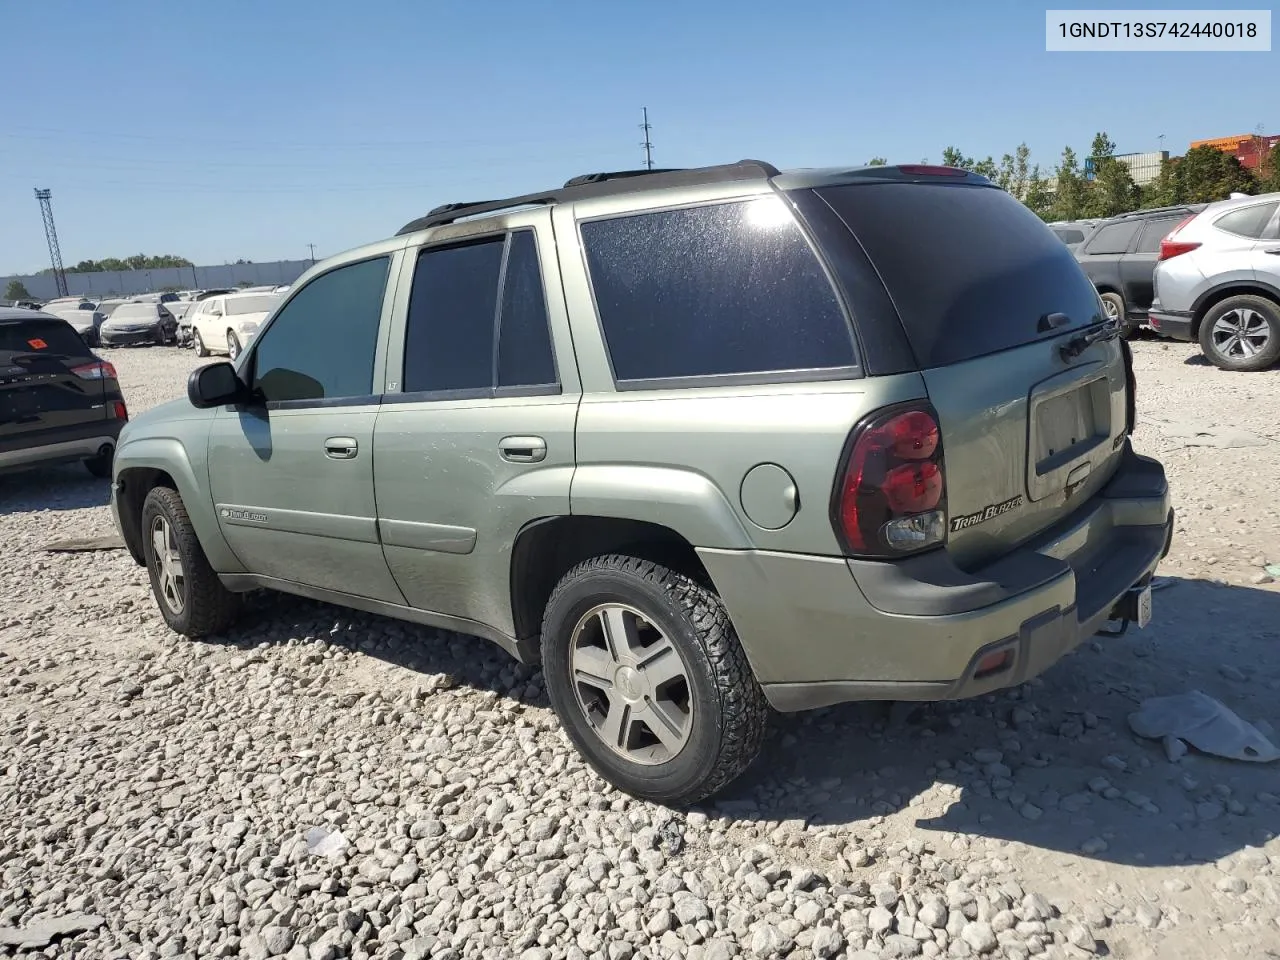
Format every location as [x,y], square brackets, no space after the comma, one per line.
[701,442]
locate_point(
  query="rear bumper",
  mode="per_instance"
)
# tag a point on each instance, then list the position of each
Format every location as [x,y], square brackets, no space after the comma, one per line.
[55,446]
[823,630]
[1174,324]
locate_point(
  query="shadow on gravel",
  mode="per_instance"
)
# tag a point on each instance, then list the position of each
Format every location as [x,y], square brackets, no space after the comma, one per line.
[65,486]
[1077,780]
[1058,735]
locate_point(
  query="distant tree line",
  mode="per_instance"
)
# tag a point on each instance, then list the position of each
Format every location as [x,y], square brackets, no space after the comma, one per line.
[1202,176]
[139,261]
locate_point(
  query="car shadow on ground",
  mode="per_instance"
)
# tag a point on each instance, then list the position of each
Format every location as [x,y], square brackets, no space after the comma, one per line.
[848,766]
[65,486]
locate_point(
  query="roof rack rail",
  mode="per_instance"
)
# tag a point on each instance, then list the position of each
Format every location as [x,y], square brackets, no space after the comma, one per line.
[617,175]
[596,185]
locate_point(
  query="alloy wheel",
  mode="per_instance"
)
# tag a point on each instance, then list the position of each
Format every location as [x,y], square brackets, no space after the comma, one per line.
[1241,334]
[631,683]
[167,562]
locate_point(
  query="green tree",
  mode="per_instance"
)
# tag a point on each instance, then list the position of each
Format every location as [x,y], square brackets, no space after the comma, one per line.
[952,157]
[138,261]
[1205,175]
[1269,173]
[1113,190]
[1039,198]
[1071,190]
[877,162]
[16,290]
[987,168]
[1166,190]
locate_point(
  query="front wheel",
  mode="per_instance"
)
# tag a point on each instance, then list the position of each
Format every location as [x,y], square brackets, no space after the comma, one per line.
[648,678]
[191,598]
[233,345]
[1241,333]
[197,341]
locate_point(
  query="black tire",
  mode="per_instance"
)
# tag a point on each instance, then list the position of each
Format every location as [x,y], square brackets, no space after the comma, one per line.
[1266,354]
[208,607]
[730,715]
[233,345]
[100,466]
[197,341]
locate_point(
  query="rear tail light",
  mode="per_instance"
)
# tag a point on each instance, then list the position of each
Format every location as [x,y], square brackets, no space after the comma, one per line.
[98,370]
[119,411]
[1172,247]
[890,499]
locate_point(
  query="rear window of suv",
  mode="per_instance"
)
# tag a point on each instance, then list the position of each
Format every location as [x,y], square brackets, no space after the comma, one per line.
[41,337]
[970,269]
[714,290]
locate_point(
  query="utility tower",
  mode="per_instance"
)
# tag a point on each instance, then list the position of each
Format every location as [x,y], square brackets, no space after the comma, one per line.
[45,197]
[648,147]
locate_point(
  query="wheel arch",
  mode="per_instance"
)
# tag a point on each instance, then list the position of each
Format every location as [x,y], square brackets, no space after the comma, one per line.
[142,465]
[1214,296]
[546,549]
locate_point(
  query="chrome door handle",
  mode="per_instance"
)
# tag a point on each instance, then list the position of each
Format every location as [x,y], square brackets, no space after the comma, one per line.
[341,448]
[1272,250]
[523,449]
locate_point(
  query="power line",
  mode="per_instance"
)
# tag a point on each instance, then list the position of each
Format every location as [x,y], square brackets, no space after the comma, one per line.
[45,198]
[648,146]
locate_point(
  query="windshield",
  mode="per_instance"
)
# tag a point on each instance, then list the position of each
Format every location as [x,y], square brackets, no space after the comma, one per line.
[134,311]
[240,305]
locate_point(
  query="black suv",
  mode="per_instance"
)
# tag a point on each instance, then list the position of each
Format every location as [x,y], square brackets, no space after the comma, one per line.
[1120,257]
[58,401]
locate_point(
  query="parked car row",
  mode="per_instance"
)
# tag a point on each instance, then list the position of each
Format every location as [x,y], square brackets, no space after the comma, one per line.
[1199,272]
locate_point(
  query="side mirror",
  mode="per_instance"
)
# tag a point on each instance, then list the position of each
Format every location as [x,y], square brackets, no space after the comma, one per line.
[215,385]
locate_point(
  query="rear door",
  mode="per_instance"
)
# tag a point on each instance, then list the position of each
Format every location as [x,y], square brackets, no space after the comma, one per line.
[988,297]
[1138,268]
[50,383]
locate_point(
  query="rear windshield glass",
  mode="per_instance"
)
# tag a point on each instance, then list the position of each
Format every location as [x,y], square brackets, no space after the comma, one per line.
[134,311]
[970,269]
[41,337]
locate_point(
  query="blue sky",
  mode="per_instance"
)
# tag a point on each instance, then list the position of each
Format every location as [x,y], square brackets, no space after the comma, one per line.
[249,129]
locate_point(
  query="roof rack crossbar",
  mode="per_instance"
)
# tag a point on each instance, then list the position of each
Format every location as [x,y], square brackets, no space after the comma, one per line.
[596,185]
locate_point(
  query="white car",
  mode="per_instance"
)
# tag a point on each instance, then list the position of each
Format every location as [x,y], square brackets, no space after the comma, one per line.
[226,324]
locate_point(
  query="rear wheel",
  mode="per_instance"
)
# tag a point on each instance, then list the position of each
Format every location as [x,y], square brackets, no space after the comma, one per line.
[197,341]
[233,345]
[192,600]
[649,680]
[1241,333]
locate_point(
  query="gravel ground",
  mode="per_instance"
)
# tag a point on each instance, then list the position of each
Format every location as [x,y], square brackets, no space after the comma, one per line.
[322,783]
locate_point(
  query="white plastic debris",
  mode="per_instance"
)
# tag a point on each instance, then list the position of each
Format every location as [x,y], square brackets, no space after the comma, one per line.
[322,842]
[1204,723]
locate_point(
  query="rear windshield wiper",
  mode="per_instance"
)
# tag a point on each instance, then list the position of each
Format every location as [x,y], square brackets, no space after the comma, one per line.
[1108,329]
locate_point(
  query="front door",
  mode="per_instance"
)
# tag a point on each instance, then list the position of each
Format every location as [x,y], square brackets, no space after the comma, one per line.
[291,474]
[475,437]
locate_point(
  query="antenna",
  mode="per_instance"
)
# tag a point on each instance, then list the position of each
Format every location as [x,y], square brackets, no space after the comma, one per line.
[648,146]
[45,197]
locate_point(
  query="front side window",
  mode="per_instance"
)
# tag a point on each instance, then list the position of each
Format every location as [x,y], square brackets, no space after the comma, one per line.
[321,345]
[478,318]
[730,288]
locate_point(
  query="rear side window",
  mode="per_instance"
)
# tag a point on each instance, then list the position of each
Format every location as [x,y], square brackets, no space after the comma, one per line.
[970,269]
[729,288]
[1114,237]
[478,319]
[1249,222]
[1069,236]
[1154,232]
[41,337]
